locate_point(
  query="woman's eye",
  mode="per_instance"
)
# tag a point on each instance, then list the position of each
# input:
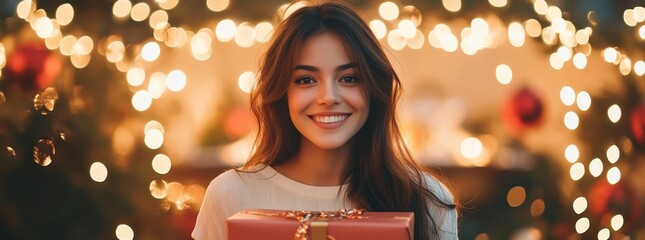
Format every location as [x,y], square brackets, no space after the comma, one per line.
[348,79]
[305,80]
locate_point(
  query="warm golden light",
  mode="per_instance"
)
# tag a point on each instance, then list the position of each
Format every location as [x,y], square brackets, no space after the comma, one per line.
[580,205]
[140,12]
[378,28]
[577,171]
[540,7]
[200,45]
[291,8]
[150,51]
[80,60]
[153,139]
[407,28]
[555,61]
[152,124]
[567,95]
[516,196]
[571,153]
[564,53]
[115,51]
[516,34]
[157,85]
[582,37]
[121,8]
[176,80]
[641,32]
[64,14]
[417,41]
[537,208]
[217,5]
[135,76]
[595,167]
[225,30]
[158,189]
[3,56]
[396,40]
[579,61]
[610,55]
[84,45]
[628,17]
[639,14]
[452,5]
[553,13]
[549,36]
[246,81]
[504,74]
[498,3]
[388,11]
[263,32]
[161,164]
[25,8]
[614,113]
[167,4]
[98,172]
[244,35]
[625,66]
[124,232]
[571,120]
[158,19]
[639,67]
[44,27]
[471,148]
[67,45]
[141,100]
[613,153]
[122,141]
[559,25]
[584,101]
[613,175]
[603,234]
[533,28]
[582,225]
[617,222]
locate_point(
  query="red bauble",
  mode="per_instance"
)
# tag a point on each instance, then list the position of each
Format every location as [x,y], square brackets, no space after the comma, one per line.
[33,66]
[620,198]
[637,124]
[522,110]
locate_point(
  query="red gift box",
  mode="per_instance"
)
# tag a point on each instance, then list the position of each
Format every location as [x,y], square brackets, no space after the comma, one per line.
[276,225]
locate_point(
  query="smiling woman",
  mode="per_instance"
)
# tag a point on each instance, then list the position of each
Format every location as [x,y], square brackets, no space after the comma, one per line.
[327,95]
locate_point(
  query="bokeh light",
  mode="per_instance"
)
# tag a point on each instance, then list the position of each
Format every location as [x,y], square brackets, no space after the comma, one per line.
[98,172]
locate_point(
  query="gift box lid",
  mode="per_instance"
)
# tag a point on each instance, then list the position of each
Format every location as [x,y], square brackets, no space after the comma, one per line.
[271,224]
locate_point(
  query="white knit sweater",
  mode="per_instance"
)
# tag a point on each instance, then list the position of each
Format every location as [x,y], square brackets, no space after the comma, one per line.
[233,191]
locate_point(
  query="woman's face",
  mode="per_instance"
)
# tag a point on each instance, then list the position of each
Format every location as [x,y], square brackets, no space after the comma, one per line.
[326,101]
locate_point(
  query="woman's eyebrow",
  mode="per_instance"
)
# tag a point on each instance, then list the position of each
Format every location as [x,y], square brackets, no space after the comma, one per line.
[315,69]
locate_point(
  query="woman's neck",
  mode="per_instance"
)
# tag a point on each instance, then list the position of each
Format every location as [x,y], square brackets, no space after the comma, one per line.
[318,167]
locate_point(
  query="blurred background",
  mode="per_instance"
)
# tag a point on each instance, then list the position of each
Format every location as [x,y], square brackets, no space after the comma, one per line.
[115,115]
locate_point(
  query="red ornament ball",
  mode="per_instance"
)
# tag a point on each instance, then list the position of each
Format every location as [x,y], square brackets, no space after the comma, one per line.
[637,124]
[620,198]
[33,66]
[524,109]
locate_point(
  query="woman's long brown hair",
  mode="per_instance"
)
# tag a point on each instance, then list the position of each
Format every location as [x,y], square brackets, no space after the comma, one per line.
[383,175]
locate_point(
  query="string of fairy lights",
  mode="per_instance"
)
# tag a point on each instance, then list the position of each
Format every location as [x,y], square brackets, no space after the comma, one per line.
[398,26]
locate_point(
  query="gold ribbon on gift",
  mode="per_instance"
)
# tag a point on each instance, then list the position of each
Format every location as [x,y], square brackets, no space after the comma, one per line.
[318,221]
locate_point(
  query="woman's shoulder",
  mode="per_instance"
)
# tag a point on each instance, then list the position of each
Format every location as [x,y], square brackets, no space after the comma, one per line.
[235,179]
[436,186]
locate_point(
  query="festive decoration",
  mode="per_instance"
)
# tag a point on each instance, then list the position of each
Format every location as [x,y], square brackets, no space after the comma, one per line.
[617,199]
[33,66]
[637,123]
[522,110]
[113,58]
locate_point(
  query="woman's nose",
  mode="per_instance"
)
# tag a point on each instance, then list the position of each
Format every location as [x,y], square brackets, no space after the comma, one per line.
[328,94]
